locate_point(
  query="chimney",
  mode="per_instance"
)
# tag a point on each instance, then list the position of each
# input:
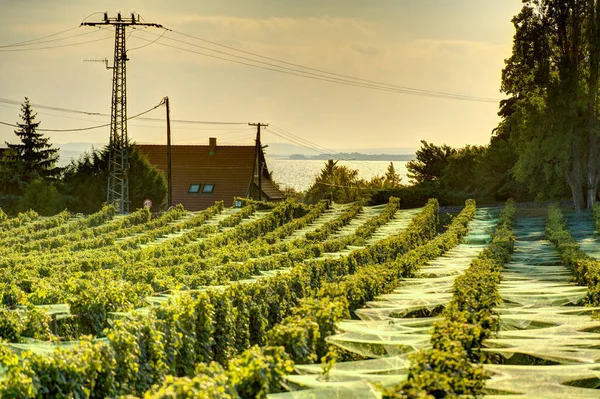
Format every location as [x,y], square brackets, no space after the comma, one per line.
[212,145]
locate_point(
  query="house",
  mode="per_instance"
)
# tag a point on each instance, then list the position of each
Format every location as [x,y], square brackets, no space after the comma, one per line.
[203,174]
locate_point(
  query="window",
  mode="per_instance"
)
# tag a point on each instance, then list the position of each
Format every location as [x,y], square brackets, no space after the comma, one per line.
[194,189]
[208,188]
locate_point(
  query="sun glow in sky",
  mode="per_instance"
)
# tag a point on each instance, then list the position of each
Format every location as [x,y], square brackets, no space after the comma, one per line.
[454,46]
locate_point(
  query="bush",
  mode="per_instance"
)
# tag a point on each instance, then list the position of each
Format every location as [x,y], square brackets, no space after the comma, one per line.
[43,198]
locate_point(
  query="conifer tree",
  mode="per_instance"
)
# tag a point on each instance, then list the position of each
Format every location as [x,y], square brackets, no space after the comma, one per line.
[34,156]
[392,179]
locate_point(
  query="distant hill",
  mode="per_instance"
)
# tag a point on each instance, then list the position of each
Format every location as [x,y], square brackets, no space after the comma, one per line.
[73,150]
[286,150]
[355,156]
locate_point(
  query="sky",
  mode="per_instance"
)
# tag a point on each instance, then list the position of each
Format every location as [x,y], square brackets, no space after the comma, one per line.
[455,47]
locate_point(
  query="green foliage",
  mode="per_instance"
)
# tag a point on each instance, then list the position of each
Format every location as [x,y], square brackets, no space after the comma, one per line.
[211,382]
[42,197]
[553,77]
[92,299]
[10,325]
[429,163]
[96,271]
[84,181]
[336,183]
[259,371]
[392,179]
[33,158]
[30,160]
[484,173]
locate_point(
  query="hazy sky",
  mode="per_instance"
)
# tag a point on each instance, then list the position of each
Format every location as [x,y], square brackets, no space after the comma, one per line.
[456,46]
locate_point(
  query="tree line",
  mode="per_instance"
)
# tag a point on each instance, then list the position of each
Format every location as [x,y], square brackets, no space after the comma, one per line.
[547,144]
[30,177]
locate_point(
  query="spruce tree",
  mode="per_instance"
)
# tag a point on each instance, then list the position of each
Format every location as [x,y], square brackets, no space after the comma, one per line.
[34,156]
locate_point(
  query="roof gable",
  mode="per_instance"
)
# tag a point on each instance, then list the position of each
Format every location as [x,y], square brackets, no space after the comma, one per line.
[229,169]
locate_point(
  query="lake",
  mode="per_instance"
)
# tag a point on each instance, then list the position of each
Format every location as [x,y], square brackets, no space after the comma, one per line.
[300,174]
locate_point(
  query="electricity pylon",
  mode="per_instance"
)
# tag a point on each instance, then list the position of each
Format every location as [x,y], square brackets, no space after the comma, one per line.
[118,161]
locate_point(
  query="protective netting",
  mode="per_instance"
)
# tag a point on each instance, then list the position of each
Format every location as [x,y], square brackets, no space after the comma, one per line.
[394,226]
[398,223]
[583,229]
[334,212]
[392,326]
[549,345]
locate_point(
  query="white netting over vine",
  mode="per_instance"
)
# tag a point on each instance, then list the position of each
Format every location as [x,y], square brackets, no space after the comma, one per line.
[548,346]
[392,326]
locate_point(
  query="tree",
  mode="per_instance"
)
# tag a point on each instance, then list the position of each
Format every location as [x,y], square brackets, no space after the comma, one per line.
[392,179]
[34,156]
[335,182]
[85,181]
[431,161]
[42,197]
[461,170]
[553,78]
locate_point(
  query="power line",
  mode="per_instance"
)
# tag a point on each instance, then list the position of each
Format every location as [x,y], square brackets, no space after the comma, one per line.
[317,74]
[305,143]
[335,78]
[301,144]
[415,90]
[297,142]
[147,44]
[89,127]
[51,40]
[309,143]
[69,110]
[39,38]
[59,46]
[314,76]
[15,102]
[339,185]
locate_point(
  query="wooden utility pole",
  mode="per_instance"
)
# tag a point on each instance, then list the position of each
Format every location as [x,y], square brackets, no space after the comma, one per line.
[259,161]
[169,164]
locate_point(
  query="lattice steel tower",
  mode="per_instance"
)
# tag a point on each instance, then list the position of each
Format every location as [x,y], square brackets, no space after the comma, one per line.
[118,161]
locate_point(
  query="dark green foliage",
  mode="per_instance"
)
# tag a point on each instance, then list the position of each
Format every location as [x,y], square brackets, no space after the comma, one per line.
[85,181]
[32,158]
[336,183]
[42,197]
[484,173]
[429,163]
[553,77]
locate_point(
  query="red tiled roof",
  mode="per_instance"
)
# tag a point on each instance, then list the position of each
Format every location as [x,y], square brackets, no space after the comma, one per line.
[269,189]
[229,169]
